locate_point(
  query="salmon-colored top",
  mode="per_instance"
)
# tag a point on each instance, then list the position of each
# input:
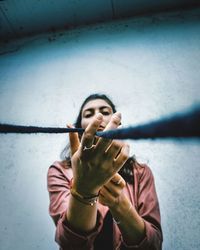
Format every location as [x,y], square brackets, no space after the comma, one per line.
[142,195]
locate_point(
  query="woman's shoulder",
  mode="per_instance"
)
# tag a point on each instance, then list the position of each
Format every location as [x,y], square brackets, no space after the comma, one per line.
[142,170]
[61,164]
[60,168]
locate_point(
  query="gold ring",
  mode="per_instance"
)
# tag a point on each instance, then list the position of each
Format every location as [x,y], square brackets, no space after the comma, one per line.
[119,181]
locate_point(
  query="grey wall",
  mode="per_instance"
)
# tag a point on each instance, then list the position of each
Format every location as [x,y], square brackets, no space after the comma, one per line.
[149,66]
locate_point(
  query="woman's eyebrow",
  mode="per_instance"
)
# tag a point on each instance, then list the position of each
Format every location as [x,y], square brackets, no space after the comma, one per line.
[105,107]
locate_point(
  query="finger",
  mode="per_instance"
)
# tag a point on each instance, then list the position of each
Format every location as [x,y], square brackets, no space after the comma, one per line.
[122,157]
[89,134]
[118,180]
[103,200]
[115,188]
[103,143]
[114,149]
[114,122]
[116,177]
[74,141]
[104,192]
[107,198]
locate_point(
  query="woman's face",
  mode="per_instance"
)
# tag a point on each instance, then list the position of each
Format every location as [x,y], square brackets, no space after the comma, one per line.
[93,107]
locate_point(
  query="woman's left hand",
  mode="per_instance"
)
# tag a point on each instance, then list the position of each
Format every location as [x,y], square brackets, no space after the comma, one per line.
[111,192]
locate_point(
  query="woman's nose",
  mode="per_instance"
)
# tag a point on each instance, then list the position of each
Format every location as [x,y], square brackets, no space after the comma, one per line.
[97,111]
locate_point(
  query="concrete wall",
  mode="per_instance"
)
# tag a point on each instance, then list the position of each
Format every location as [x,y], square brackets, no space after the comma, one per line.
[149,66]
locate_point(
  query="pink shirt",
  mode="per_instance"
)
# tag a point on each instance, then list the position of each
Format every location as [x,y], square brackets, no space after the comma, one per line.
[142,195]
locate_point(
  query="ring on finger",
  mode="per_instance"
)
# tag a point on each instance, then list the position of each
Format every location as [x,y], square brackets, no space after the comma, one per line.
[85,148]
[119,181]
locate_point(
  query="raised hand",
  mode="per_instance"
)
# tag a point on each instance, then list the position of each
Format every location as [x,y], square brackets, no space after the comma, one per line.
[96,160]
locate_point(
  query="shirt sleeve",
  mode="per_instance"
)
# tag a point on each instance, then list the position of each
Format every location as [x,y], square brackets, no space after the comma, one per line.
[148,209]
[59,193]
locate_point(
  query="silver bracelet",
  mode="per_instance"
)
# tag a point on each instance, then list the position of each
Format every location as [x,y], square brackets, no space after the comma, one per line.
[116,222]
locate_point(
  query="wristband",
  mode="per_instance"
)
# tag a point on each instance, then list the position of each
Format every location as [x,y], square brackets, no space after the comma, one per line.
[88,200]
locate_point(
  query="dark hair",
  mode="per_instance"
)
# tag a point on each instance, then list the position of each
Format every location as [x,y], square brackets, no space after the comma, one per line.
[127,170]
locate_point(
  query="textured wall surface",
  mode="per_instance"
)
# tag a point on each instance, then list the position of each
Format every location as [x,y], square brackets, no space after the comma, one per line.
[149,66]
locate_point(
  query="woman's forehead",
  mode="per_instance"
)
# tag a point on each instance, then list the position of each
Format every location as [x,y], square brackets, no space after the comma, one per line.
[97,103]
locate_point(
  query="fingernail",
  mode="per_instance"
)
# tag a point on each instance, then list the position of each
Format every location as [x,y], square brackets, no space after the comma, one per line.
[117,116]
[69,125]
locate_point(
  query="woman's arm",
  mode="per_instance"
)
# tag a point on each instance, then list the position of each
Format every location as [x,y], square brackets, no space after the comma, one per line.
[59,181]
[130,223]
[140,228]
[92,167]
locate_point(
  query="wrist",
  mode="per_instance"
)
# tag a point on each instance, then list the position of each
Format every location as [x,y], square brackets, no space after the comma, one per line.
[83,190]
[88,200]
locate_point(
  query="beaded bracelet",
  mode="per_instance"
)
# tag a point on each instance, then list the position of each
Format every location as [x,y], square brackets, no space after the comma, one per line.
[88,200]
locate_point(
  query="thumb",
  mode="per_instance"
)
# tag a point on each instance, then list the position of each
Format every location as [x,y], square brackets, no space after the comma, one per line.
[74,141]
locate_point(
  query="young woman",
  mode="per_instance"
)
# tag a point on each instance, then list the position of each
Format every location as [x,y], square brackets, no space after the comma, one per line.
[100,197]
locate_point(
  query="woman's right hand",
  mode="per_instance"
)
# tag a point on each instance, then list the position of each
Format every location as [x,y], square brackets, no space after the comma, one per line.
[94,165]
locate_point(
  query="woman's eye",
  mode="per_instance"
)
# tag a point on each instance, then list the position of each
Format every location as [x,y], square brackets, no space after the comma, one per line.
[88,115]
[105,113]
